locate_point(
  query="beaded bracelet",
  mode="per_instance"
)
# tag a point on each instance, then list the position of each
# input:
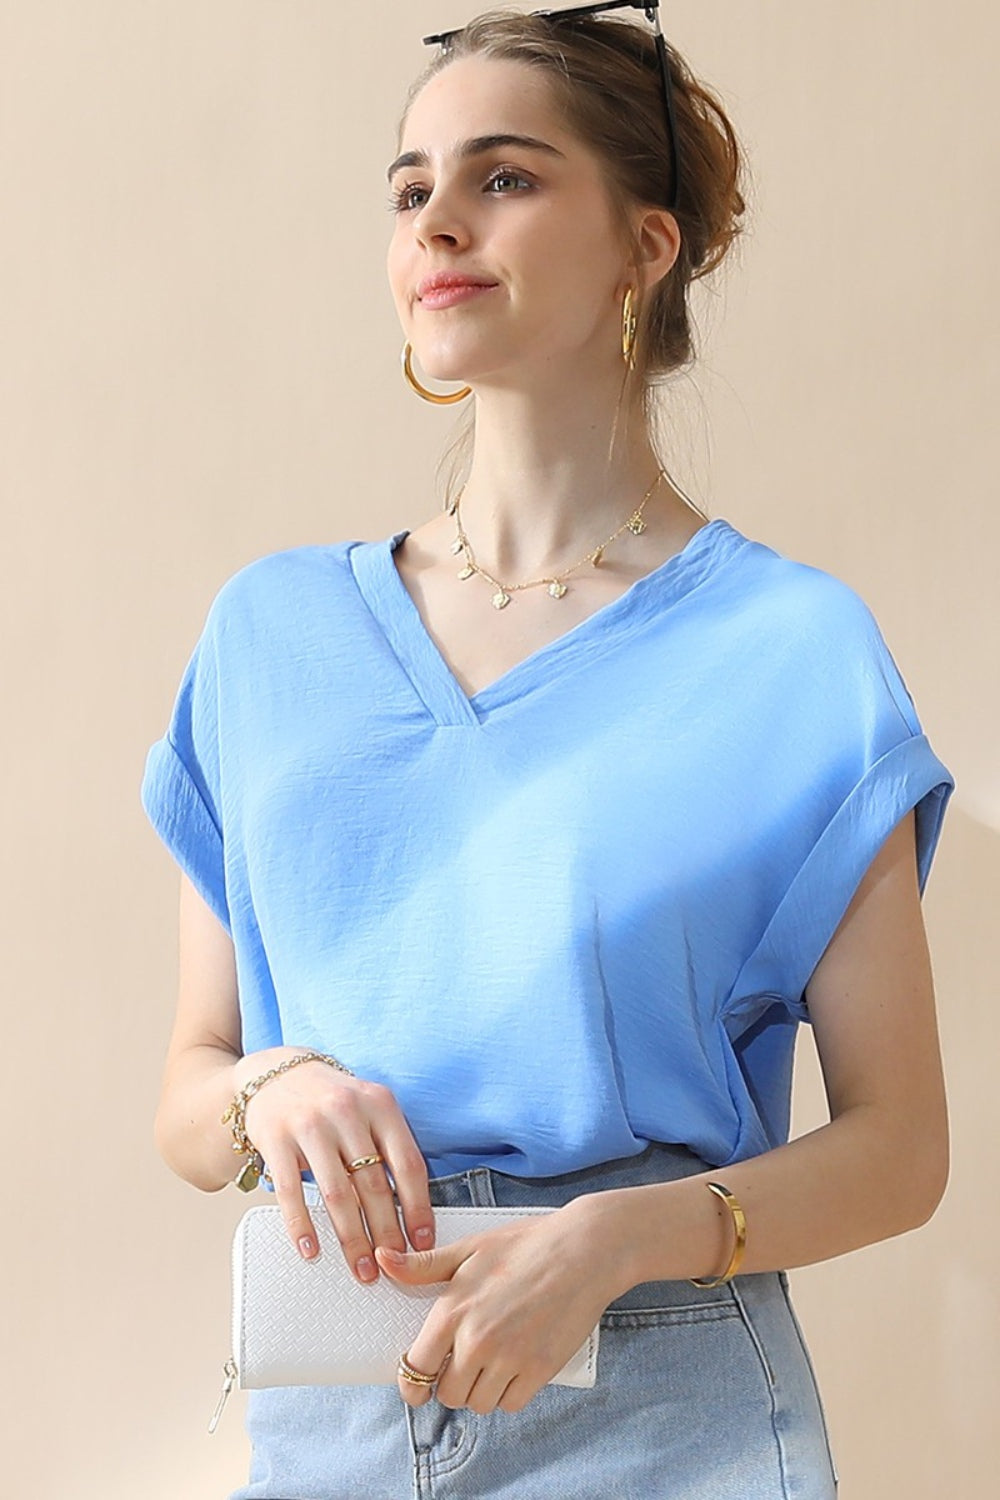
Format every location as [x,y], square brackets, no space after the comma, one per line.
[740,1225]
[250,1173]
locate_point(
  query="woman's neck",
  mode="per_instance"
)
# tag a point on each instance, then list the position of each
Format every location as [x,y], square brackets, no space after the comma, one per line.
[541,492]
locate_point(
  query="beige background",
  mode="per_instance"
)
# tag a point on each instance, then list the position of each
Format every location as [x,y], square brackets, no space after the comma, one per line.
[199,360]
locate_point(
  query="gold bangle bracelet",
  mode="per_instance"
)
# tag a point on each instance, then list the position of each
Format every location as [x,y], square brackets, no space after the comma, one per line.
[740,1225]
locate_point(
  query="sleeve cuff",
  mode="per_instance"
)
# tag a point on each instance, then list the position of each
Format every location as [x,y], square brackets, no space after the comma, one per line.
[180,816]
[908,776]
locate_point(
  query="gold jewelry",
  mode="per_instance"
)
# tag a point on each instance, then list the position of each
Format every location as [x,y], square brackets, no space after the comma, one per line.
[628,353]
[740,1225]
[363,1161]
[253,1169]
[628,328]
[422,390]
[557,588]
[415,1377]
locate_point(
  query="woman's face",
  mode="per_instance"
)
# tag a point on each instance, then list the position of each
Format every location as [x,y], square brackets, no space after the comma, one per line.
[535,222]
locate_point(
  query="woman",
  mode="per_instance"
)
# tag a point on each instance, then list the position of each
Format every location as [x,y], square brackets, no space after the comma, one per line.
[550,819]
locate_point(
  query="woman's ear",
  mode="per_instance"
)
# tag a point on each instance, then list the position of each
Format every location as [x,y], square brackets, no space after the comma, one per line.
[658,236]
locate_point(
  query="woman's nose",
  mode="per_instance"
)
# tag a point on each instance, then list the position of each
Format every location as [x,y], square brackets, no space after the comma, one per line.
[439,216]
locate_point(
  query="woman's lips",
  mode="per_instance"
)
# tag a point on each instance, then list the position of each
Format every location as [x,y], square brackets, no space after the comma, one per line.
[448,296]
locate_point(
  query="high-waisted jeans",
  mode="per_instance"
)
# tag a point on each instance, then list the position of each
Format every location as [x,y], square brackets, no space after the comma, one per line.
[701,1394]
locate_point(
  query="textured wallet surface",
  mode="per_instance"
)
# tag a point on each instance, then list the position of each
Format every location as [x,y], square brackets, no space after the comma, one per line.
[299,1322]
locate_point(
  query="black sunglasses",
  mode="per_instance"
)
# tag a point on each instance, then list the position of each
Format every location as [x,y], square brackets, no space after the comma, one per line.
[652,13]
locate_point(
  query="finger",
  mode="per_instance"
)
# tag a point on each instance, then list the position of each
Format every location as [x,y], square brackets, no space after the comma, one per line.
[454,1388]
[287,1180]
[431,1353]
[420,1267]
[371,1187]
[517,1394]
[487,1389]
[409,1174]
[419,1393]
[414,1393]
[344,1212]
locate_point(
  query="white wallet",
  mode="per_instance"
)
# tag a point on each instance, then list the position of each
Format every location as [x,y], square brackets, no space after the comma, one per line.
[311,1322]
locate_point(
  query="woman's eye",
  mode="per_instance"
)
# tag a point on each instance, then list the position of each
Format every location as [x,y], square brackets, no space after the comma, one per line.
[506,172]
[401,200]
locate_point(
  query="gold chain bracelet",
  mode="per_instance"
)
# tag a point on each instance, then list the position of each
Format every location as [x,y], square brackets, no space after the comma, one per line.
[250,1173]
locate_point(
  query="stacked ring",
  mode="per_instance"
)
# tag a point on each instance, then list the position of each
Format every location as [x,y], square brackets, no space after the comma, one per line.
[364,1161]
[415,1377]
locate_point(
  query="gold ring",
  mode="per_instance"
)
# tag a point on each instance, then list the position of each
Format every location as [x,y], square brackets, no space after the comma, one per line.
[364,1161]
[415,1377]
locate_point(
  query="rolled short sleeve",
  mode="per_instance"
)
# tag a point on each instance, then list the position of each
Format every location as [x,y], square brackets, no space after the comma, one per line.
[181,789]
[872,764]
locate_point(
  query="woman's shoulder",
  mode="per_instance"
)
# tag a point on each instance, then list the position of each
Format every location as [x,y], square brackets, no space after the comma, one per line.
[790,591]
[278,579]
[813,634]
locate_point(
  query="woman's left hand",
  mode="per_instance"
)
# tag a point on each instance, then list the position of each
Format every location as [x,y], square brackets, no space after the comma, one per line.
[520,1299]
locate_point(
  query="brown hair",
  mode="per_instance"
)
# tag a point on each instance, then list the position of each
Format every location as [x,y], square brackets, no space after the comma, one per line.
[592,65]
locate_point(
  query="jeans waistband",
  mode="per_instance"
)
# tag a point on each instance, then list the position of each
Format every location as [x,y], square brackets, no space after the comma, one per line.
[659,1162]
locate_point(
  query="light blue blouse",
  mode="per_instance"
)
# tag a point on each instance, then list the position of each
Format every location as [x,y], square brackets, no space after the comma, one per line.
[577,910]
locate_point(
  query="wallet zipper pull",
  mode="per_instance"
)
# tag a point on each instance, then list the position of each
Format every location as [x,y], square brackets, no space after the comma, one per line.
[230,1372]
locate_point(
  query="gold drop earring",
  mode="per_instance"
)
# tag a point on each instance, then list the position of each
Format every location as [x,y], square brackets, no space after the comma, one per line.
[628,328]
[422,390]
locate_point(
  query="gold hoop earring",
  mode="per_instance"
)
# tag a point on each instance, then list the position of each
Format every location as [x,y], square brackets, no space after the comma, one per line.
[628,328]
[422,390]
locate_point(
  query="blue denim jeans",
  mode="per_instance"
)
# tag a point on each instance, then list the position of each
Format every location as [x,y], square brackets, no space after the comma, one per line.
[701,1394]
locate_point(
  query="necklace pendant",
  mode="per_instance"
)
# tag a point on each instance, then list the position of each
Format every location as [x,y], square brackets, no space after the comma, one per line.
[557,589]
[500,599]
[636,524]
[466,572]
[457,545]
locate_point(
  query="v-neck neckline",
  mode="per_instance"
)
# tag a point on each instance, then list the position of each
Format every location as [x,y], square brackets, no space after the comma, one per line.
[395,610]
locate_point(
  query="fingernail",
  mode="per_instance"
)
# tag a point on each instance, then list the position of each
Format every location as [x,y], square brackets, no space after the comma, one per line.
[392,1254]
[307,1246]
[367,1268]
[423,1236]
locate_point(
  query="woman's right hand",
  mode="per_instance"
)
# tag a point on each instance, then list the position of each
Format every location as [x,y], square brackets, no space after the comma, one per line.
[315,1117]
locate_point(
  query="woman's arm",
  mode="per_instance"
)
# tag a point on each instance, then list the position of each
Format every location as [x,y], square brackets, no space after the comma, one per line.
[312,1117]
[199,1075]
[878,1169]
